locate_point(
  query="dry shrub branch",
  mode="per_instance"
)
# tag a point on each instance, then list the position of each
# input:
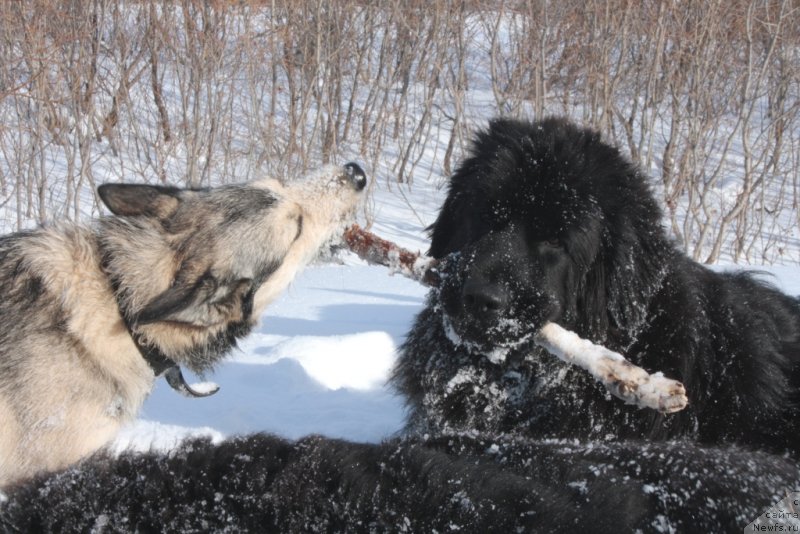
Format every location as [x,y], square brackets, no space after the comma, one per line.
[703,94]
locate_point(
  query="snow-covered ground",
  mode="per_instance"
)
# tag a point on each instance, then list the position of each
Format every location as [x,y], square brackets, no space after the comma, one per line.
[317,364]
[321,357]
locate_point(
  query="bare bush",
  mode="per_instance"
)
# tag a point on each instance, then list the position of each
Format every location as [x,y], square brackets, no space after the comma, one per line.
[704,95]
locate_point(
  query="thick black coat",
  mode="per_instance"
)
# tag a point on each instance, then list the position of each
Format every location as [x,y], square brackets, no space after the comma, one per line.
[261,483]
[546,222]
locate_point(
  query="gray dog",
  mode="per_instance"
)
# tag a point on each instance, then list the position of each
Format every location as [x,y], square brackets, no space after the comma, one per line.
[92,315]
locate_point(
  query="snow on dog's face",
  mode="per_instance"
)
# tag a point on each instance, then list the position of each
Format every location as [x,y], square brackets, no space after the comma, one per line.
[194,268]
[544,222]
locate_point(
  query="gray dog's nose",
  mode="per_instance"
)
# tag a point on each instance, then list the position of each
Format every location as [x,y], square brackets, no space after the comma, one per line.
[357,175]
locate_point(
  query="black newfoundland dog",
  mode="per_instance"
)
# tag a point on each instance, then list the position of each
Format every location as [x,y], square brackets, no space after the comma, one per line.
[546,222]
[543,222]
[454,483]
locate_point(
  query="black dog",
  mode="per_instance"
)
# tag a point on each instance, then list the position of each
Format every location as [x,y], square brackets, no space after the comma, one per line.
[545,222]
[470,484]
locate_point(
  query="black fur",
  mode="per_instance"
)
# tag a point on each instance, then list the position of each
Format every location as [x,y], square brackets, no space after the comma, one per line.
[262,483]
[546,222]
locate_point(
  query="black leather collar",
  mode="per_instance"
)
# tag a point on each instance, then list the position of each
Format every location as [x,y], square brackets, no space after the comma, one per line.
[159,362]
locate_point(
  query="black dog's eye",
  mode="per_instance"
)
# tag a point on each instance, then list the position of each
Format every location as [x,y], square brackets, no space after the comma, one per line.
[553,242]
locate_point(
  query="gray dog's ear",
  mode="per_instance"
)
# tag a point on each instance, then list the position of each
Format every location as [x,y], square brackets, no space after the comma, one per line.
[139,199]
[201,303]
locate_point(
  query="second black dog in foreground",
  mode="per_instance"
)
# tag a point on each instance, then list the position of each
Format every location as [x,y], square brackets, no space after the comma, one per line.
[263,483]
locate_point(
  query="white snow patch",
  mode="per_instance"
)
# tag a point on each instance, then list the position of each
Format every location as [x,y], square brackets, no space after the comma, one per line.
[100,523]
[154,436]
[581,485]
[318,364]
[662,524]
[465,375]
[497,354]
[358,361]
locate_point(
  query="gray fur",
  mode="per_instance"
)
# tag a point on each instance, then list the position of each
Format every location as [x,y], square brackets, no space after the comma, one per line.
[178,273]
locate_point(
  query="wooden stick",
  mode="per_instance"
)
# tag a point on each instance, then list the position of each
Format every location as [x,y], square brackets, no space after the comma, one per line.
[621,378]
[379,251]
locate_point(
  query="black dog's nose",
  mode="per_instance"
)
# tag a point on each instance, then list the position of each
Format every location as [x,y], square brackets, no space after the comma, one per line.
[357,175]
[485,300]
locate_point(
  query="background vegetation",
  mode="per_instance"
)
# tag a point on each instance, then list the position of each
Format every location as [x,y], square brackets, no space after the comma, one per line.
[704,95]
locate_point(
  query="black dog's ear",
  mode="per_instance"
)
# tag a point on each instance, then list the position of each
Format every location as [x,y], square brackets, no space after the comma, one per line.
[200,304]
[139,199]
[591,303]
[630,271]
[586,246]
[451,232]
